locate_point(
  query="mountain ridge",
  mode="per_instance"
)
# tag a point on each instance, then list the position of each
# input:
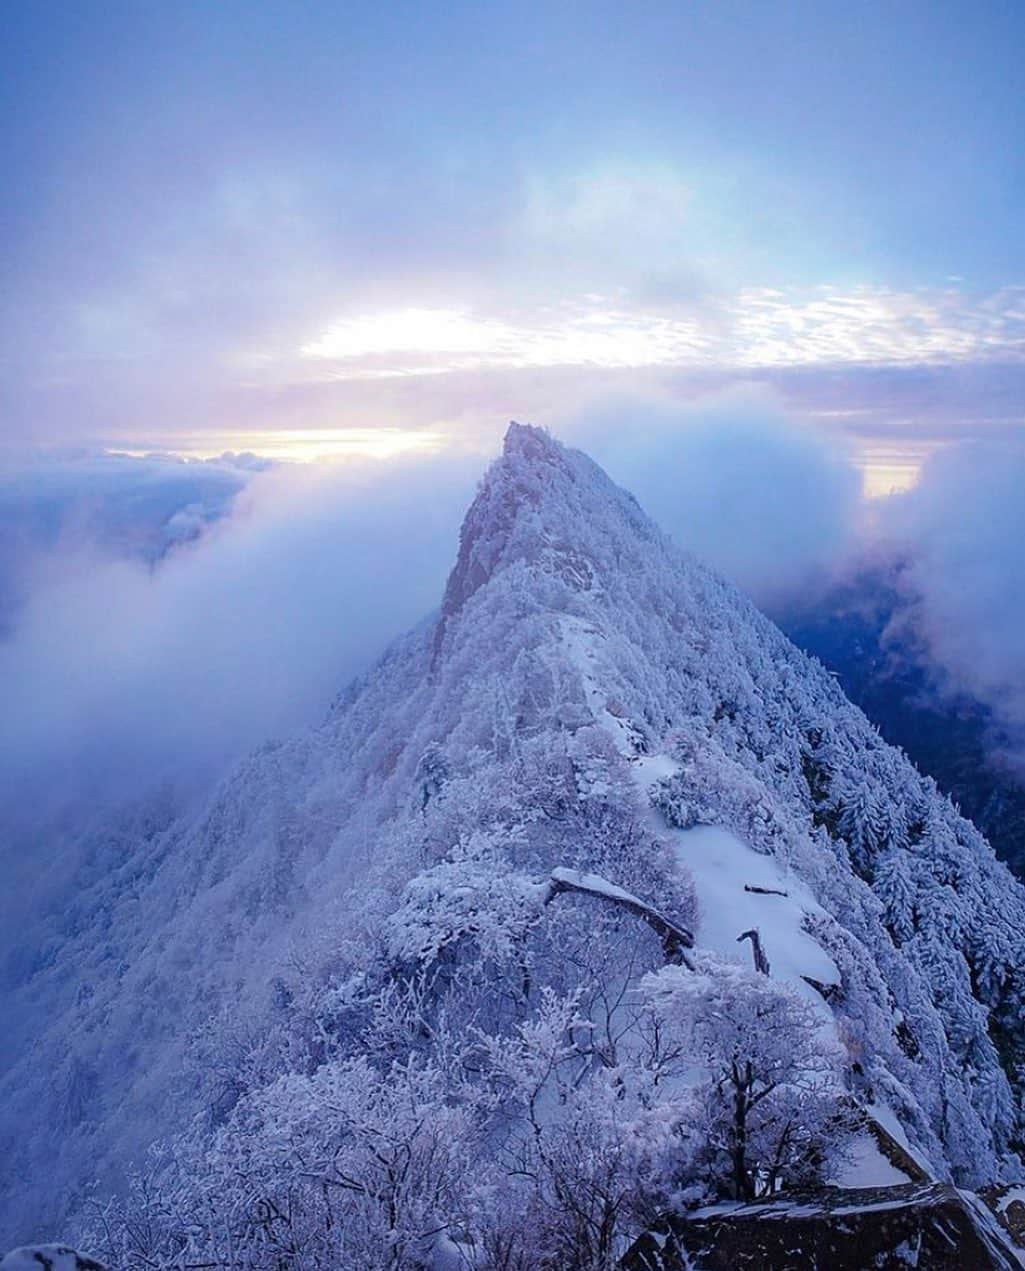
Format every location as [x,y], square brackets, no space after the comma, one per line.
[576,654]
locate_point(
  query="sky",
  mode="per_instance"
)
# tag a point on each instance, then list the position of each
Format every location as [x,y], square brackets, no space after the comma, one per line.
[759,259]
[309,229]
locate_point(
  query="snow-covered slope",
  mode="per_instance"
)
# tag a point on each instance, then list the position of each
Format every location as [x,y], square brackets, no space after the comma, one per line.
[588,698]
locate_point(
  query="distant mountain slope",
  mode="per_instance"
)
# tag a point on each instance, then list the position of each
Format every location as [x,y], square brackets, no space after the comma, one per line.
[949,736]
[379,893]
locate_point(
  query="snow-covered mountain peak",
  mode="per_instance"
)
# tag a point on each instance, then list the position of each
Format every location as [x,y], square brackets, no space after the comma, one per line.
[545,509]
[533,443]
[505,522]
[595,742]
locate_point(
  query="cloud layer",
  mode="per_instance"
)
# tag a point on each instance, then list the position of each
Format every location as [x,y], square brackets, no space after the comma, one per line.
[216,195]
[756,328]
[961,532]
[734,481]
[167,617]
[119,673]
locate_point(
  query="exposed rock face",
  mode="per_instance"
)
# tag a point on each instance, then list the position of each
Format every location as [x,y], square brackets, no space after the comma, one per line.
[1008,1205]
[932,1225]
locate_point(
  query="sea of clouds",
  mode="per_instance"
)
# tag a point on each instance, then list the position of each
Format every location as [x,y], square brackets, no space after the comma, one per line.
[228,608]
[158,619]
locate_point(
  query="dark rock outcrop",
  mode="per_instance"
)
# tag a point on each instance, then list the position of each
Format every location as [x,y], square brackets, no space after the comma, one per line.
[932,1225]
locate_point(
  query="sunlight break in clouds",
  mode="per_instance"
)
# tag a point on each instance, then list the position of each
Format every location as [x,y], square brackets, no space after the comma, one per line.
[422,341]
[891,469]
[409,330]
[759,327]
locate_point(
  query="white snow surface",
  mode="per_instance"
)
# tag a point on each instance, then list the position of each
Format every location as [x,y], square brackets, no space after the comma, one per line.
[868,1167]
[594,884]
[722,867]
[889,1120]
[1009,1197]
[989,1228]
[52,1257]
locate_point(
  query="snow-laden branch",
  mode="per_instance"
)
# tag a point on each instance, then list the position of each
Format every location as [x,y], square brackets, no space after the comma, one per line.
[761,961]
[675,939]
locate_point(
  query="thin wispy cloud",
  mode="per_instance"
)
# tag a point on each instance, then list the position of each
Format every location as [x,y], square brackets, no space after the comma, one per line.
[881,327]
[432,341]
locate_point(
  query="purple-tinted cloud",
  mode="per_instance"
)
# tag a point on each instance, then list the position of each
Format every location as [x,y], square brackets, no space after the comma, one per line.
[765,501]
[961,533]
[119,673]
[200,196]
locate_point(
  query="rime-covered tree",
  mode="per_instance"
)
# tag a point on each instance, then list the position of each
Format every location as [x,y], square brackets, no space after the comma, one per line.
[773,1090]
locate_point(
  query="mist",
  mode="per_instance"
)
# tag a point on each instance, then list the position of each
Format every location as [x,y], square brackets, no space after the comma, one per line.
[164,618]
[961,537]
[761,498]
[778,509]
[121,672]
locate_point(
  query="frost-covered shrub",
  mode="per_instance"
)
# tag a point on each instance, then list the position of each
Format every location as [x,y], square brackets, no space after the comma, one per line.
[772,1090]
[350,1166]
[471,898]
[601,1157]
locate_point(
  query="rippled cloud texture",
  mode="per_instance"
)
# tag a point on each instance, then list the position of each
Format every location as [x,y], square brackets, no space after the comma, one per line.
[279,216]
